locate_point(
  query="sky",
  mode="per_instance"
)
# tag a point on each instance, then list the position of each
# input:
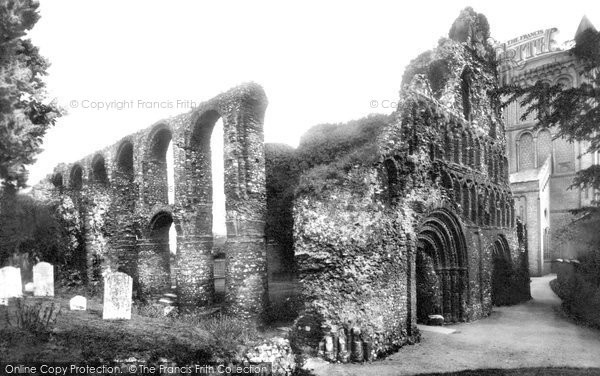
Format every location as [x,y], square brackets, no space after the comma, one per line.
[318,61]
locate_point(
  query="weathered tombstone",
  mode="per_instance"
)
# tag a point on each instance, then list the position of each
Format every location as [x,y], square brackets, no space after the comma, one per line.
[78,303]
[43,279]
[10,284]
[435,320]
[118,288]
[29,287]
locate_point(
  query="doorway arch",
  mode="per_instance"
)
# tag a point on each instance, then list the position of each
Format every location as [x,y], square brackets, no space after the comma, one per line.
[441,269]
[501,272]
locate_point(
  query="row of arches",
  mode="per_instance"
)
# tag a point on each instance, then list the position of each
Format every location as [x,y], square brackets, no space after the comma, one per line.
[202,185]
[442,273]
[462,147]
[481,204]
[98,172]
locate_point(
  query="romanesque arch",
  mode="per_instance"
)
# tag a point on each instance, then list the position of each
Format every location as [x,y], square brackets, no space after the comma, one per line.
[124,163]
[98,172]
[57,180]
[441,267]
[154,166]
[502,271]
[393,179]
[76,177]
[119,216]
[466,83]
[525,152]
[474,203]
[155,261]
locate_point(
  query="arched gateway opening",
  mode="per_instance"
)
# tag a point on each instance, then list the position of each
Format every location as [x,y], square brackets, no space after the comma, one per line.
[441,268]
[501,272]
[155,256]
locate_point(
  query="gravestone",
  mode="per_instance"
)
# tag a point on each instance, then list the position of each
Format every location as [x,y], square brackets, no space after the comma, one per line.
[78,303]
[43,279]
[118,288]
[10,284]
[29,287]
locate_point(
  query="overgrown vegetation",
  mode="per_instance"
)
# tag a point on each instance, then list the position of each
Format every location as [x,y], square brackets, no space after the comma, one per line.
[35,316]
[38,232]
[327,152]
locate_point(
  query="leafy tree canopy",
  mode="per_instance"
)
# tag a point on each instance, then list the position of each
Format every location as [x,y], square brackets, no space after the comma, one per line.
[575,112]
[25,116]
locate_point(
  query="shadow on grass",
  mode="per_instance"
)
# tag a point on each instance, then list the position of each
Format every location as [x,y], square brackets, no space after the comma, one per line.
[522,372]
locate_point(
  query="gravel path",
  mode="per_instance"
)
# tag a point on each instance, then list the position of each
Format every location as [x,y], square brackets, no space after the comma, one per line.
[532,334]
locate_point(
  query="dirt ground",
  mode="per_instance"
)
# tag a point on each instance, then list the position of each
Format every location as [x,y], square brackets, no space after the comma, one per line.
[532,334]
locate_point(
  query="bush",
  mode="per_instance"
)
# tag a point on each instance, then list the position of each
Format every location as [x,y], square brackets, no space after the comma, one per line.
[36,317]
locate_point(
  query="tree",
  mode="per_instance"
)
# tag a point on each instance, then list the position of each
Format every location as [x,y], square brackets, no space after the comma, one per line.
[25,116]
[575,112]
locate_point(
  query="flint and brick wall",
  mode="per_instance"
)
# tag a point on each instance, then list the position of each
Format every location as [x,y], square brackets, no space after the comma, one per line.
[117,213]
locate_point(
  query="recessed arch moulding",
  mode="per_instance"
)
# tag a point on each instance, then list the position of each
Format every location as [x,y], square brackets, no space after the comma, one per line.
[118,190]
[414,232]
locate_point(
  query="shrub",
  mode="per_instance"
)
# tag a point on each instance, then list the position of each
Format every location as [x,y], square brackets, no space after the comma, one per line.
[228,333]
[36,317]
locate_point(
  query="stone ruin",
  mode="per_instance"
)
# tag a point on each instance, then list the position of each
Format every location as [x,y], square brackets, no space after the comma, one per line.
[118,199]
[424,227]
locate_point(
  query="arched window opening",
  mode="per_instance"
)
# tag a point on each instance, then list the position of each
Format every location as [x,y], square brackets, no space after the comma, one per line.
[526,152]
[207,142]
[457,148]
[493,209]
[76,178]
[57,180]
[465,201]
[449,145]
[124,170]
[474,199]
[99,174]
[155,167]
[466,83]
[465,148]
[393,179]
[218,178]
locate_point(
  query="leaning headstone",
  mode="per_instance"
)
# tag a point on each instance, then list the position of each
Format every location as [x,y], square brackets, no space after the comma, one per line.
[118,288]
[78,303]
[10,284]
[43,279]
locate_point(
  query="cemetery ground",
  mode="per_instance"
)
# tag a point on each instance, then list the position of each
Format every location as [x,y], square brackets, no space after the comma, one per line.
[83,336]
